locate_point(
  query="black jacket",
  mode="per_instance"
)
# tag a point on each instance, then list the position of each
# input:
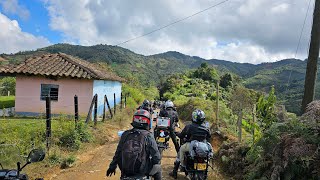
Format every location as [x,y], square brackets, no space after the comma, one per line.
[146,108]
[195,132]
[152,151]
[171,113]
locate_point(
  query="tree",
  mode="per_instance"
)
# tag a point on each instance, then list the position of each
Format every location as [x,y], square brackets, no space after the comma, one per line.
[206,73]
[204,65]
[266,109]
[8,84]
[226,80]
[241,99]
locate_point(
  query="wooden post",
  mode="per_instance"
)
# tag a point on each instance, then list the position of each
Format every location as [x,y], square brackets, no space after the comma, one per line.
[104,108]
[311,71]
[106,99]
[95,112]
[114,103]
[76,111]
[90,109]
[121,101]
[48,122]
[253,121]
[125,101]
[240,126]
[217,104]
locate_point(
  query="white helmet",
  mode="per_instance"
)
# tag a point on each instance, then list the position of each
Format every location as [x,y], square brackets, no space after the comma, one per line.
[169,104]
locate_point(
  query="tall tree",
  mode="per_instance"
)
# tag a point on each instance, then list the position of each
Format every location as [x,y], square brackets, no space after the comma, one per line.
[241,99]
[311,72]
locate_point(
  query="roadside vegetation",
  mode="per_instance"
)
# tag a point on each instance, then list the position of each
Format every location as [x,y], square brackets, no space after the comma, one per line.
[261,140]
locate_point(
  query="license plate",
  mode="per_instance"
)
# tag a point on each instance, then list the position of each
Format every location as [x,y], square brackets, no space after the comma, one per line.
[200,166]
[161,139]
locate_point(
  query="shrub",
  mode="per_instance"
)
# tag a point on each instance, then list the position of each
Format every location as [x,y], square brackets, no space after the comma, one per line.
[68,162]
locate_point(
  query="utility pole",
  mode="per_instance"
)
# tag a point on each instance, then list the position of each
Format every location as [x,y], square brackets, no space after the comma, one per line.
[311,71]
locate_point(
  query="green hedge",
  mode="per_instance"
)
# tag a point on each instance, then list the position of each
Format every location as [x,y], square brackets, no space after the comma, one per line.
[7,101]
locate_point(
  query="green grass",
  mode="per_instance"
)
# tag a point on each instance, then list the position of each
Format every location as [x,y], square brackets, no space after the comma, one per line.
[27,134]
[7,101]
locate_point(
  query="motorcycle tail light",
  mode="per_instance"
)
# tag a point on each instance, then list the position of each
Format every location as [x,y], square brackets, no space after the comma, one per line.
[201,160]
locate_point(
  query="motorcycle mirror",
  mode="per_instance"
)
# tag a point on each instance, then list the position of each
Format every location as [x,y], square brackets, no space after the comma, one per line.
[36,155]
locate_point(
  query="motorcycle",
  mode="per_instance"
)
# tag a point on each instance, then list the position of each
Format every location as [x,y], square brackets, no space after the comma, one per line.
[162,133]
[36,155]
[197,167]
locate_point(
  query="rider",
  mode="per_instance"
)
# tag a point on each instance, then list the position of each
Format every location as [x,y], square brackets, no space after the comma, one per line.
[146,106]
[144,163]
[194,131]
[169,111]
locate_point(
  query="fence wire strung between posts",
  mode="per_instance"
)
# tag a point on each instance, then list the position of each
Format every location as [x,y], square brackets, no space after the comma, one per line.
[50,130]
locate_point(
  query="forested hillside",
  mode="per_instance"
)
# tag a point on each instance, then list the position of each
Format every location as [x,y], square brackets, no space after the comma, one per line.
[287,76]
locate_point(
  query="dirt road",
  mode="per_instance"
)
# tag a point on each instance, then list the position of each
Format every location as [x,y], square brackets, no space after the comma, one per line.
[93,165]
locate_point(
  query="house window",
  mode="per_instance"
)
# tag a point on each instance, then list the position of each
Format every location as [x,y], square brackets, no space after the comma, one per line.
[51,90]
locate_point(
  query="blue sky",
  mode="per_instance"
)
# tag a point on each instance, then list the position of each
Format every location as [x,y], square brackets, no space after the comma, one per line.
[38,21]
[251,31]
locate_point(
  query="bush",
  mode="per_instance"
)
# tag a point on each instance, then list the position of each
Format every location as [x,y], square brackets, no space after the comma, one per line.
[7,101]
[8,84]
[68,162]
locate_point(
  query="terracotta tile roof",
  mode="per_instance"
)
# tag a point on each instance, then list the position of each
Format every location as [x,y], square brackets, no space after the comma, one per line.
[60,65]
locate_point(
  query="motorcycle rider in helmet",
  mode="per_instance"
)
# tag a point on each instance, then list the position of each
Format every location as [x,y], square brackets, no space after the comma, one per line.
[169,111]
[146,105]
[194,131]
[141,125]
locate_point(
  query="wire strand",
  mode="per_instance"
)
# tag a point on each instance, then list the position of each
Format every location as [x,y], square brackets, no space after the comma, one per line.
[172,23]
[295,55]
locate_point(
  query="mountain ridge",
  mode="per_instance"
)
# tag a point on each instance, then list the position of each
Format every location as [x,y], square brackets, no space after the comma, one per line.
[286,75]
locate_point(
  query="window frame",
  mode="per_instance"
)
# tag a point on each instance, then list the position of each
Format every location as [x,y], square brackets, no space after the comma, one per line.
[46,89]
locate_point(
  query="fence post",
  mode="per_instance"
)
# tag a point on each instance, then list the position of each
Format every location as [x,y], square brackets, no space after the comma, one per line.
[90,109]
[125,101]
[106,99]
[48,122]
[104,108]
[95,112]
[254,116]
[114,103]
[217,104]
[121,101]
[76,111]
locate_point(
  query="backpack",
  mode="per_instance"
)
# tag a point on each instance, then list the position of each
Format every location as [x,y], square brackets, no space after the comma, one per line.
[172,115]
[200,149]
[134,155]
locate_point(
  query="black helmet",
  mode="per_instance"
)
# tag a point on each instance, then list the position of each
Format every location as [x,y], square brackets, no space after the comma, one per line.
[141,119]
[146,102]
[198,116]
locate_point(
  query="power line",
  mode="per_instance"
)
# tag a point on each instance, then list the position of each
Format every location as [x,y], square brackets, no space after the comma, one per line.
[172,23]
[302,29]
[304,23]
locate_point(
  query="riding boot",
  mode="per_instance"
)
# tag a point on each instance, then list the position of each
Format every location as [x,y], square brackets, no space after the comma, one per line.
[174,172]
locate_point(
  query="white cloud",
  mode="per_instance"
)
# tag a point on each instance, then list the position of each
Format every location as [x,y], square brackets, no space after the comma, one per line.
[13,7]
[239,30]
[13,39]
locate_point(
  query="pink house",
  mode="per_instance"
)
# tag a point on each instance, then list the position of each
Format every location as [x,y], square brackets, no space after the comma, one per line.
[61,77]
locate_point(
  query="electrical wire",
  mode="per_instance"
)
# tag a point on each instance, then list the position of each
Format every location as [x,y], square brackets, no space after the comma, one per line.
[172,23]
[298,45]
